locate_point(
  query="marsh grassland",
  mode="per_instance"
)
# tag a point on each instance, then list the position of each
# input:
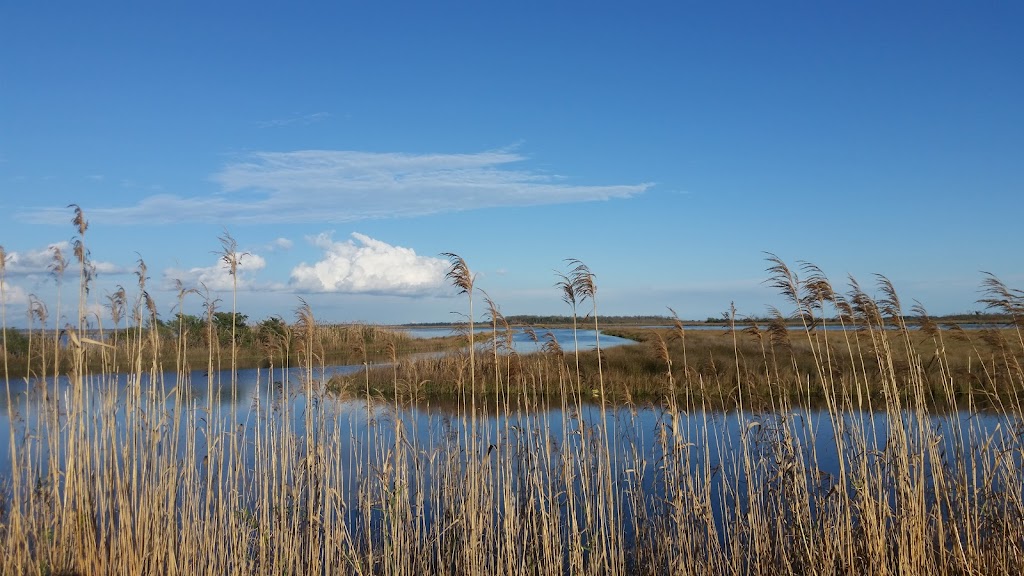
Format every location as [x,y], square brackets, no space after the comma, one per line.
[875,449]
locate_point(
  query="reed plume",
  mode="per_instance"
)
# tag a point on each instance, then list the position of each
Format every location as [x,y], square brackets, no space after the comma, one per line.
[542,481]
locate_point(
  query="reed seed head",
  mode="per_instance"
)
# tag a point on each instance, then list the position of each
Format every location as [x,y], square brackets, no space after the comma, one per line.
[58,264]
[459,273]
[79,221]
[229,253]
[582,279]
[140,273]
[568,289]
[999,296]
[781,278]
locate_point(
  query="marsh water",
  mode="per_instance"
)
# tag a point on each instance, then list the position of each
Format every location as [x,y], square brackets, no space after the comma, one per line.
[526,341]
[638,438]
[637,433]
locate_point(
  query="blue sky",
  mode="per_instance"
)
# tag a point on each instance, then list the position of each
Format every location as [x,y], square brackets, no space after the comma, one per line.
[346,145]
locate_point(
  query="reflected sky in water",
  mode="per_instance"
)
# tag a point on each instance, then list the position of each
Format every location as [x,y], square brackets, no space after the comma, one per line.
[262,397]
[524,343]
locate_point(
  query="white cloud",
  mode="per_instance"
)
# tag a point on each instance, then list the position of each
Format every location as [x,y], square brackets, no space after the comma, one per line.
[109,268]
[96,310]
[300,119]
[281,244]
[37,261]
[365,265]
[40,261]
[13,295]
[218,276]
[343,186]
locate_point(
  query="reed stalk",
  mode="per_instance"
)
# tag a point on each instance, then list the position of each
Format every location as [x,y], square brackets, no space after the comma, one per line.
[857,461]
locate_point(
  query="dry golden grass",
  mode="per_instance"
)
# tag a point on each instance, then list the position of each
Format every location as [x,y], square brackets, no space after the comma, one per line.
[980,364]
[153,480]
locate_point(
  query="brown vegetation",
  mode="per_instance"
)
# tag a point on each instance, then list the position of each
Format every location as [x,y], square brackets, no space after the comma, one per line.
[152,480]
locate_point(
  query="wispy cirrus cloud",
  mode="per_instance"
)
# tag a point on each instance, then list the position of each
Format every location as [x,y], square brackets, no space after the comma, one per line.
[294,119]
[363,265]
[156,209]
[333,186]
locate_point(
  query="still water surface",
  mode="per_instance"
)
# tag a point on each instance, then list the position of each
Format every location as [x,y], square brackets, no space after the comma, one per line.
[525,343]
[635,432]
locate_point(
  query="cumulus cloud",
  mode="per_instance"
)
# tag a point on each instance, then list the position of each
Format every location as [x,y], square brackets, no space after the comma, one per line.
[283,244]
[13,295]
[218,276]
[343,186]
[36,261]
[365,265]
[96,310]
[41,260]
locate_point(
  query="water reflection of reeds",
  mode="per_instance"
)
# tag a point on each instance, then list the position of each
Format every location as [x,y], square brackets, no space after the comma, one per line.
[545,463]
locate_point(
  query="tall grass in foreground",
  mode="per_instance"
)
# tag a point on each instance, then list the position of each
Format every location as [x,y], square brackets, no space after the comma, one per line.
[163,478]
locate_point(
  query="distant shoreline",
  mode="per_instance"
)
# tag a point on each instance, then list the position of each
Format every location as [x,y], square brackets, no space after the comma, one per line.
[658,321]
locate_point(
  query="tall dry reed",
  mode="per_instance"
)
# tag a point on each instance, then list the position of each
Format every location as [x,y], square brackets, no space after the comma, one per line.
[841,467]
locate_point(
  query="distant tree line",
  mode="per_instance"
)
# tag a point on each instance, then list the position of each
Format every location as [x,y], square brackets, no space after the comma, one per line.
[546,320]
[638,320]
[195,331]
[975,317]
[198,333]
